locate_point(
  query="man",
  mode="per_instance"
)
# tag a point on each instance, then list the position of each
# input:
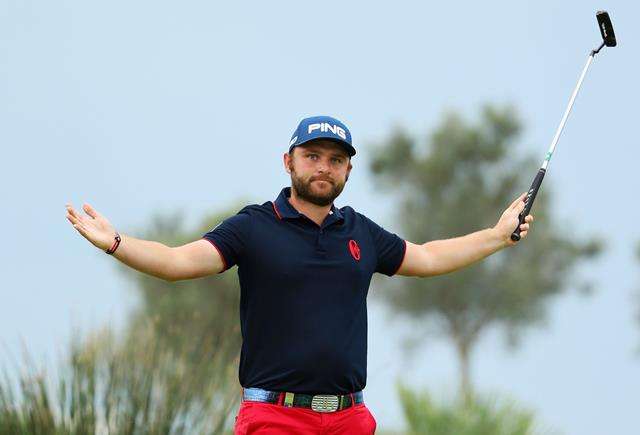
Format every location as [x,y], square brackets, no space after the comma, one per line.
[304,268]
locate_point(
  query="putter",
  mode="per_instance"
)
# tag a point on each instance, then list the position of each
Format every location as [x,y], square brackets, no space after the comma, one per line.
[608,39]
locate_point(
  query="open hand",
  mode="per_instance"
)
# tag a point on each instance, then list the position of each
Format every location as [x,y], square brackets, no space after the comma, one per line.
[93,226]
[509,221]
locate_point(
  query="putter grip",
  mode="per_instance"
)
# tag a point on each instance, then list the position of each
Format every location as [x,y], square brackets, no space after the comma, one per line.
[528,202]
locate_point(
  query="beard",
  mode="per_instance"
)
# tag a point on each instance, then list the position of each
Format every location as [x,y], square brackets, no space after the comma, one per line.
[306,191]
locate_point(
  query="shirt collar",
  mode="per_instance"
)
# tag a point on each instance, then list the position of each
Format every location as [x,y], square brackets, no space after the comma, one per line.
[285,210]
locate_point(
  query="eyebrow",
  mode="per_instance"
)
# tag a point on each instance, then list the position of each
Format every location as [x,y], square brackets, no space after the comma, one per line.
[318,151]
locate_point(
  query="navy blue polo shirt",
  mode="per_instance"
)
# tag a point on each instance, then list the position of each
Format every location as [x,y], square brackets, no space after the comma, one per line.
[303,293]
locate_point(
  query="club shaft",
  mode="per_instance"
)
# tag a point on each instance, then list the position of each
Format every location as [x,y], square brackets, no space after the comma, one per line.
[554,142]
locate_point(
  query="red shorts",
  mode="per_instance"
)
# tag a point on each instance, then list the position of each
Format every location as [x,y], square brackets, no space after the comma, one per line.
[262,418]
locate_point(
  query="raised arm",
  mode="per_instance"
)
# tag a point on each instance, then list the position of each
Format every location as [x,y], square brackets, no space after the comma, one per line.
[193,260]
[443,256]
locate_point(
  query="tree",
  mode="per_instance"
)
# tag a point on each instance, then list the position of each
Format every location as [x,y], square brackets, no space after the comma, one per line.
[174,370]
[195,319]
[458,182]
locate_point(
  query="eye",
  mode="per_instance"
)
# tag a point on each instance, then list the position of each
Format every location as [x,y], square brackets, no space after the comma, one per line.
[337,160]
[312,156]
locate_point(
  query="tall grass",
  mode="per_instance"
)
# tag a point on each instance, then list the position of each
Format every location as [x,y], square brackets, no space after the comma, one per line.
[474,416]
[135,386]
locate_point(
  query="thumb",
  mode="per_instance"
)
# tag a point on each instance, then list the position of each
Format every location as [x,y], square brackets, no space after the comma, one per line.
[518,200]
[90,211]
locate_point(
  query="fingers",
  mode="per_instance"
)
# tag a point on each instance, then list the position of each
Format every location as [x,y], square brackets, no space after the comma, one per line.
[72,216]
[524,228]
[86,207]
[77,220]
[71,211]
[90,211]
[77,224]
[72,219]
[77,217]
[82,230]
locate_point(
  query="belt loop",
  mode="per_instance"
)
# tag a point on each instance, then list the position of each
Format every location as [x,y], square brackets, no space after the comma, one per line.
[353,401]
[288,400]
[280,398]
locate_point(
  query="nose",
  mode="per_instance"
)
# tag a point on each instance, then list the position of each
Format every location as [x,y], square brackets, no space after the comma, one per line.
[322,166]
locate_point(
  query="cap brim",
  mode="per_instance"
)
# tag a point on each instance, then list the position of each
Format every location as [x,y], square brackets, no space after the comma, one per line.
[347,146]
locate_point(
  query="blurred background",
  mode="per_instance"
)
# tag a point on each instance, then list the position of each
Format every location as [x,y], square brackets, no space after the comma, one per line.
[169,117]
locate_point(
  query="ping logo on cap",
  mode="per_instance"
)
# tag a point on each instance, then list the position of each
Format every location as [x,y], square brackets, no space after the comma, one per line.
[325,126]
[319,127]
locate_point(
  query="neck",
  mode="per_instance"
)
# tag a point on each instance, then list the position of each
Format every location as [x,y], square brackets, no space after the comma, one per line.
[314,212]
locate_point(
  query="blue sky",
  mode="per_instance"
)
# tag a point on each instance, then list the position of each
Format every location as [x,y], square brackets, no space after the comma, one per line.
[140,107]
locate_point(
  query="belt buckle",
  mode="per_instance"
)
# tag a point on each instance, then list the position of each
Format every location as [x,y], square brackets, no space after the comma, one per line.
[324,403]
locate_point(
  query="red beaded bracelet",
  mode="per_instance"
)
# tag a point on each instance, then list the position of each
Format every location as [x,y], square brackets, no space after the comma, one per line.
[115,244]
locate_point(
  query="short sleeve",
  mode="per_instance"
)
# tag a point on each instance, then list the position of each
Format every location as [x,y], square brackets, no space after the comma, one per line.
[230,238]
[389,247]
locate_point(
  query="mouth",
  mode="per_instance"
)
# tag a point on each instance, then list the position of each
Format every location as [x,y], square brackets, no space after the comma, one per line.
[323,184]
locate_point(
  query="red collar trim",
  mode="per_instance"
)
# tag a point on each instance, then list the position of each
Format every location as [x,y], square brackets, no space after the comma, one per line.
[276,210]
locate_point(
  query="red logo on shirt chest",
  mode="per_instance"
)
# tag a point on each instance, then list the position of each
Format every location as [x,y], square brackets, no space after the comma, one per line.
[354,249]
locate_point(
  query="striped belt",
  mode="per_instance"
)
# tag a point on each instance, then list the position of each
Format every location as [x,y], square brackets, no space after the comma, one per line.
[317,402]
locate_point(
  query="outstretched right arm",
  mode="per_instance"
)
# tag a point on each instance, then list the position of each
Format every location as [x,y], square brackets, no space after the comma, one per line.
[193,260]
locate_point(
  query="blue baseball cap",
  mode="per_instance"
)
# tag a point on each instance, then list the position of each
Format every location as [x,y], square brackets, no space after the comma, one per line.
[322,127]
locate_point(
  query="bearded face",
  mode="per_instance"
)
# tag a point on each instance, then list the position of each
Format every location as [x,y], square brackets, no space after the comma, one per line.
[319,173]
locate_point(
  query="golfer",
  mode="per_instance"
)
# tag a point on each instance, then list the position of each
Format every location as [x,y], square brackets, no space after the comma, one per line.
[304,267]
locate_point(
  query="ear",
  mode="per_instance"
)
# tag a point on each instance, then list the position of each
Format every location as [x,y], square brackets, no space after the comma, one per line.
[346,178]
[286,159]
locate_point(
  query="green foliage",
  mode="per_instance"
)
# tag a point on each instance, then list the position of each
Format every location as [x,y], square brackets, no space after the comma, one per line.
[480,416]
[128,387]
[182,309]
[188,316]
[173,371]
[459,181]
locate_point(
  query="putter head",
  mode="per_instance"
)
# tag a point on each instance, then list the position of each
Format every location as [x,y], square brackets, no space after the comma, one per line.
[606,28]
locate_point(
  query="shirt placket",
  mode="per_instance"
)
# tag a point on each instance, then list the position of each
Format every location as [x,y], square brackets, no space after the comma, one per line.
[321,240]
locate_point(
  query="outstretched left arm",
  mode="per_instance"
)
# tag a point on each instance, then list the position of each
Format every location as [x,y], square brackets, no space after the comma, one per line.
[443,256]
